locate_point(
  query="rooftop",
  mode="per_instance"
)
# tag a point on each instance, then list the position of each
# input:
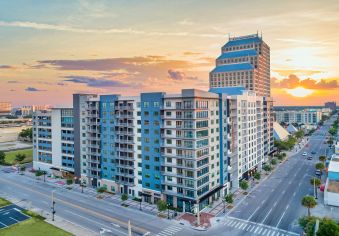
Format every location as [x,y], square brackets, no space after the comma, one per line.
[228,90]
[243,40]
[233,67]
[242,53]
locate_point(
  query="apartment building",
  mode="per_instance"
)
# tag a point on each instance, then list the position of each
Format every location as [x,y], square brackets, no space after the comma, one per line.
[244,131]
[306,117]
[188,148]
[244,61]
[53,141]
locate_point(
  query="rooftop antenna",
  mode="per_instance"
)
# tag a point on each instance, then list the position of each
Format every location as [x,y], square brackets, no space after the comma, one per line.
[257,33]
[229,36]
[261,34]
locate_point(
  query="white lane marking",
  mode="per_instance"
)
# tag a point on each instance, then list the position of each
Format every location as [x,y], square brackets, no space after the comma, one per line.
[166,233]
[14,219]
[267,215]
[260,229]
[3,224]
[282,216]
[256,229]
[253,213]
[96,222]
[264,232]
[237,224]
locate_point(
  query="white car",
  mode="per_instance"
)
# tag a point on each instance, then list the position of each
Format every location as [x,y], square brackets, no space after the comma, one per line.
[304,153]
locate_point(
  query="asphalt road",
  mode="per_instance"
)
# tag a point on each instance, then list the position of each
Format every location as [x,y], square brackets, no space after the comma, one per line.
[275,203]
[87,212]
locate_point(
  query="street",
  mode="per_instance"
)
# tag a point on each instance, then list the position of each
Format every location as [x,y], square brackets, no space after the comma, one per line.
[276,203]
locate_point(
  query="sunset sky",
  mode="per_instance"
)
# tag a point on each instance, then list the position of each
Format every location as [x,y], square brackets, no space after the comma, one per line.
[52,49]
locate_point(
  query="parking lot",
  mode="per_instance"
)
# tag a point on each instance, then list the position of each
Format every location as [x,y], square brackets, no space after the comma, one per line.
[10,215]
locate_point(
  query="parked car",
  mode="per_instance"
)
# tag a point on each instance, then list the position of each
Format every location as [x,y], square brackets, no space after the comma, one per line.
[304,153]
[318,172]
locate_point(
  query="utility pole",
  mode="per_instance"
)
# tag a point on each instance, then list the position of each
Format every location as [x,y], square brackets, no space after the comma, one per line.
[129,228]
[53,205]
[168,216]
[198,212]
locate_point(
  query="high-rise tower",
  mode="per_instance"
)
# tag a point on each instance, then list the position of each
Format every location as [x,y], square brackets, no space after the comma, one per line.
[245,61]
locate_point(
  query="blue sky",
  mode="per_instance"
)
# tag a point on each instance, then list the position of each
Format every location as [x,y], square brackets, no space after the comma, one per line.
[162,37]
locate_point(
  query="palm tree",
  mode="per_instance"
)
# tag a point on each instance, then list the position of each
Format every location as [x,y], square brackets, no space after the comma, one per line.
[309,202]
[322,159]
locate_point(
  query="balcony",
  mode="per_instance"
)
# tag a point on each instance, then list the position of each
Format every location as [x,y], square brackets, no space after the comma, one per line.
[120,149]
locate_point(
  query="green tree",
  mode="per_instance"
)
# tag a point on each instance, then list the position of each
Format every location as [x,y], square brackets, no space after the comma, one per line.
[20,157]
[267,168]
[26,133]
[273,161]
[328,227]
[315,181]
[322,159]
[69,181]
[257,175]
[299,134]
[161,205]
[320,166]
[101,189]
[243,185]
[124,197]
[2,157]
[308,202]
[229,198]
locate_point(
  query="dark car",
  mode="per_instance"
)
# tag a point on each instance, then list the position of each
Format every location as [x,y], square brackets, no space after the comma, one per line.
[318,172]
[309,158]
[313,152]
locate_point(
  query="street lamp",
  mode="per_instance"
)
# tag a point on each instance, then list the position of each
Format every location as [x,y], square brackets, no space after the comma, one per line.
[140,202]
[53,205]
[168,205]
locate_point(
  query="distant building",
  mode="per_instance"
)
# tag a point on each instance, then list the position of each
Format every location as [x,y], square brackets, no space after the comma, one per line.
[279,132]
[331,105]
[244,61]
[29,110]
[291,129]
[306,117]
[5,108]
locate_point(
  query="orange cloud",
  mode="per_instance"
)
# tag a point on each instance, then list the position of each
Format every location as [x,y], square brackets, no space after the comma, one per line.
[292,81]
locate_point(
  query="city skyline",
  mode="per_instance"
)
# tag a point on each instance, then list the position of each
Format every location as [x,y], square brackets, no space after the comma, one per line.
[52,50]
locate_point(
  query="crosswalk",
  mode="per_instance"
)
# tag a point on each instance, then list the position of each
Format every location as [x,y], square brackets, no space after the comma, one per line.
[170,230]
[255,228]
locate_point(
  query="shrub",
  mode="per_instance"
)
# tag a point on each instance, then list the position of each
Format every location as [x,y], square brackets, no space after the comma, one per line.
[124,197]
[161,205]
[267,168]
[101,189]
[273,161]
[2,157]
[69,181]
[243,185]
[229,198]
[257,175]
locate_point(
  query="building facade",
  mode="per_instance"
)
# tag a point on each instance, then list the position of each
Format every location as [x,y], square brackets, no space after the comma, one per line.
[306,117]
[188,149]
[53,141]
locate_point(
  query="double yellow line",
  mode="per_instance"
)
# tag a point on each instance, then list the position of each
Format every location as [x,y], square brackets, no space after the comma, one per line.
[115,220]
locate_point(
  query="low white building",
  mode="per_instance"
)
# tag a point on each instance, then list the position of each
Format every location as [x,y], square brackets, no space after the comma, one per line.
[279,132]
[331,193]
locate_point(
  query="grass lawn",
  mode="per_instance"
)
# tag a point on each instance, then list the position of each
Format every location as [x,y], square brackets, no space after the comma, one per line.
[34,226]
[4,202]
[10,156]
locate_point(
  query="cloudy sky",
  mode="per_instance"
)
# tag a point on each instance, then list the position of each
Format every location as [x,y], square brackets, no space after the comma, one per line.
[51,49]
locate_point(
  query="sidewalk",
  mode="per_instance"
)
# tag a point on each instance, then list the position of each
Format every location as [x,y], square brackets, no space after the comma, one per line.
[91,192]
